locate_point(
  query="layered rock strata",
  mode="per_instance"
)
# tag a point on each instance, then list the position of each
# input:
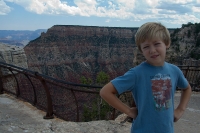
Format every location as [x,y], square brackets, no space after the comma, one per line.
[69,52]
[14,55]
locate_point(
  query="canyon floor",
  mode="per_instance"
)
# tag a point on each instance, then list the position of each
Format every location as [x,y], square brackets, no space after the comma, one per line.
[17,116]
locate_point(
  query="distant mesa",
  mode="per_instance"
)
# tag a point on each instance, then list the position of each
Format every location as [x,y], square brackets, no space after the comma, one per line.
[19,37]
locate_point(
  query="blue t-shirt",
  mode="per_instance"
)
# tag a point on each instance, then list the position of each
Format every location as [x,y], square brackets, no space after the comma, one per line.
[153,90]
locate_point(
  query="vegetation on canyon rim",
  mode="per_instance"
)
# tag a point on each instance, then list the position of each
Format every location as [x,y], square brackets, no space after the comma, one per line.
[99,109]
[192,32]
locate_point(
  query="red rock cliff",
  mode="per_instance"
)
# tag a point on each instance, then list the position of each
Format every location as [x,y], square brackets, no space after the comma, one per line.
[69,52]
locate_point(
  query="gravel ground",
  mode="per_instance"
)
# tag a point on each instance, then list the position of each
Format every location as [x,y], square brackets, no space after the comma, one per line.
[190,121]
[17,116]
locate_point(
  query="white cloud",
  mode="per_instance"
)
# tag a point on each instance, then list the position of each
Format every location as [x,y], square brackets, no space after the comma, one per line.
[52,7]
[169,11]
[87,7]
[181,19]
[196,9]
[4,9]
[152,3]
[128,4]
[180,1]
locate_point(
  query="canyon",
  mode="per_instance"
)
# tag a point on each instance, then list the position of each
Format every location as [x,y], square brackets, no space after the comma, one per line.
[69,52]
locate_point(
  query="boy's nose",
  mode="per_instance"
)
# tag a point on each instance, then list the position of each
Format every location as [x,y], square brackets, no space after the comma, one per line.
[152,50]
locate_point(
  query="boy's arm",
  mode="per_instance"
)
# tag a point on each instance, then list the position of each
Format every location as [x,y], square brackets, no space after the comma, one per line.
[108,93]
[185,97]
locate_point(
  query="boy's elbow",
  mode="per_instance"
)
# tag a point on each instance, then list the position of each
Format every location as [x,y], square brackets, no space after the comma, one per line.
[102,92]
[108,89]
[188,89]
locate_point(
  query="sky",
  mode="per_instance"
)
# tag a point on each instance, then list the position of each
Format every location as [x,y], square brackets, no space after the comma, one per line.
[43,14]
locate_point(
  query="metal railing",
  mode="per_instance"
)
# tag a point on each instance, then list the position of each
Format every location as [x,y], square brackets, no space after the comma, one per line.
[66,100]
[192,73]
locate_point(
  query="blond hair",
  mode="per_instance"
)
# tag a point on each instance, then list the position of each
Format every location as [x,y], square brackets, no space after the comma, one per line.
[150,31]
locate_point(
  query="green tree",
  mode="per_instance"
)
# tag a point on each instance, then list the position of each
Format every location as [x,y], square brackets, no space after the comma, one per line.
[197,28]
[102,78]
[85,80]
[99,109]
[198,42]
[189,34]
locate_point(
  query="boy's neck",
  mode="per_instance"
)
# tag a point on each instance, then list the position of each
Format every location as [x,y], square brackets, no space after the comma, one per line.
[155,65]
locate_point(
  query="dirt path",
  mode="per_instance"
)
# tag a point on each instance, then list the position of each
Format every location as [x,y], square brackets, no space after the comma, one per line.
[17,117]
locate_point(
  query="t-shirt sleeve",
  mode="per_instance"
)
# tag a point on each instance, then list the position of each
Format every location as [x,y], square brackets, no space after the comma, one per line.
[125,82]
[182,82]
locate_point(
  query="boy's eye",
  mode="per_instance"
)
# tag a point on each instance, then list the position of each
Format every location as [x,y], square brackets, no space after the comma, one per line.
[145,47]
[157,43]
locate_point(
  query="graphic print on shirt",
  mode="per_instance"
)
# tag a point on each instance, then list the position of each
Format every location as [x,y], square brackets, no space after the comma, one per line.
[161,89]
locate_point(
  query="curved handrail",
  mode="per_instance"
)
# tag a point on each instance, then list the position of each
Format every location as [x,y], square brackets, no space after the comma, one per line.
[44,79]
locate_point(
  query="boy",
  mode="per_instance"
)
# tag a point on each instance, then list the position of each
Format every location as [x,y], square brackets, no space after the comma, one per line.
[152,83]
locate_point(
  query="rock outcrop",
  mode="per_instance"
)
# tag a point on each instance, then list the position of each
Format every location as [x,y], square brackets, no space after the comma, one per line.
[12,55]
[186,41]
[69,52]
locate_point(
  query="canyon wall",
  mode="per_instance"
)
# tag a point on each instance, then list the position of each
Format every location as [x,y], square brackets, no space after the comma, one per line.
[69,52]
[14,55]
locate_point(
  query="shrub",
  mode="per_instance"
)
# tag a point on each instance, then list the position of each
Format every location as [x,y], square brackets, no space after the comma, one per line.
[102,78]
[99,110]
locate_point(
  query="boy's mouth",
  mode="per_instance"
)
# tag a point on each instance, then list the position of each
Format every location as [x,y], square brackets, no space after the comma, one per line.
[154,56]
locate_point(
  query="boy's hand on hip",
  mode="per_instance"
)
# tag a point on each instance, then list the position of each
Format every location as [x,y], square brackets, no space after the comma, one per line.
[177,114]
[133,112]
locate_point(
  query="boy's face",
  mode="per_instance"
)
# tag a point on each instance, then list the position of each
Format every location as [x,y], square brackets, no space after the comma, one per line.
[154,51]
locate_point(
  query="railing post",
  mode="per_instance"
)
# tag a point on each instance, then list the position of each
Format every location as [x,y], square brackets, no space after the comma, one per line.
[113,114]
[1,85]
[34,93]
[49,114]
[186,70]
[17,89]
[77,111]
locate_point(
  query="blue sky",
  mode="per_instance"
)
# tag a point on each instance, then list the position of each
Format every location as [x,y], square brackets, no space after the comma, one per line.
[43,14]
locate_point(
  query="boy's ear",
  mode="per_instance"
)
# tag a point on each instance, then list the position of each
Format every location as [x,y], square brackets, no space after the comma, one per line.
[168,45]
